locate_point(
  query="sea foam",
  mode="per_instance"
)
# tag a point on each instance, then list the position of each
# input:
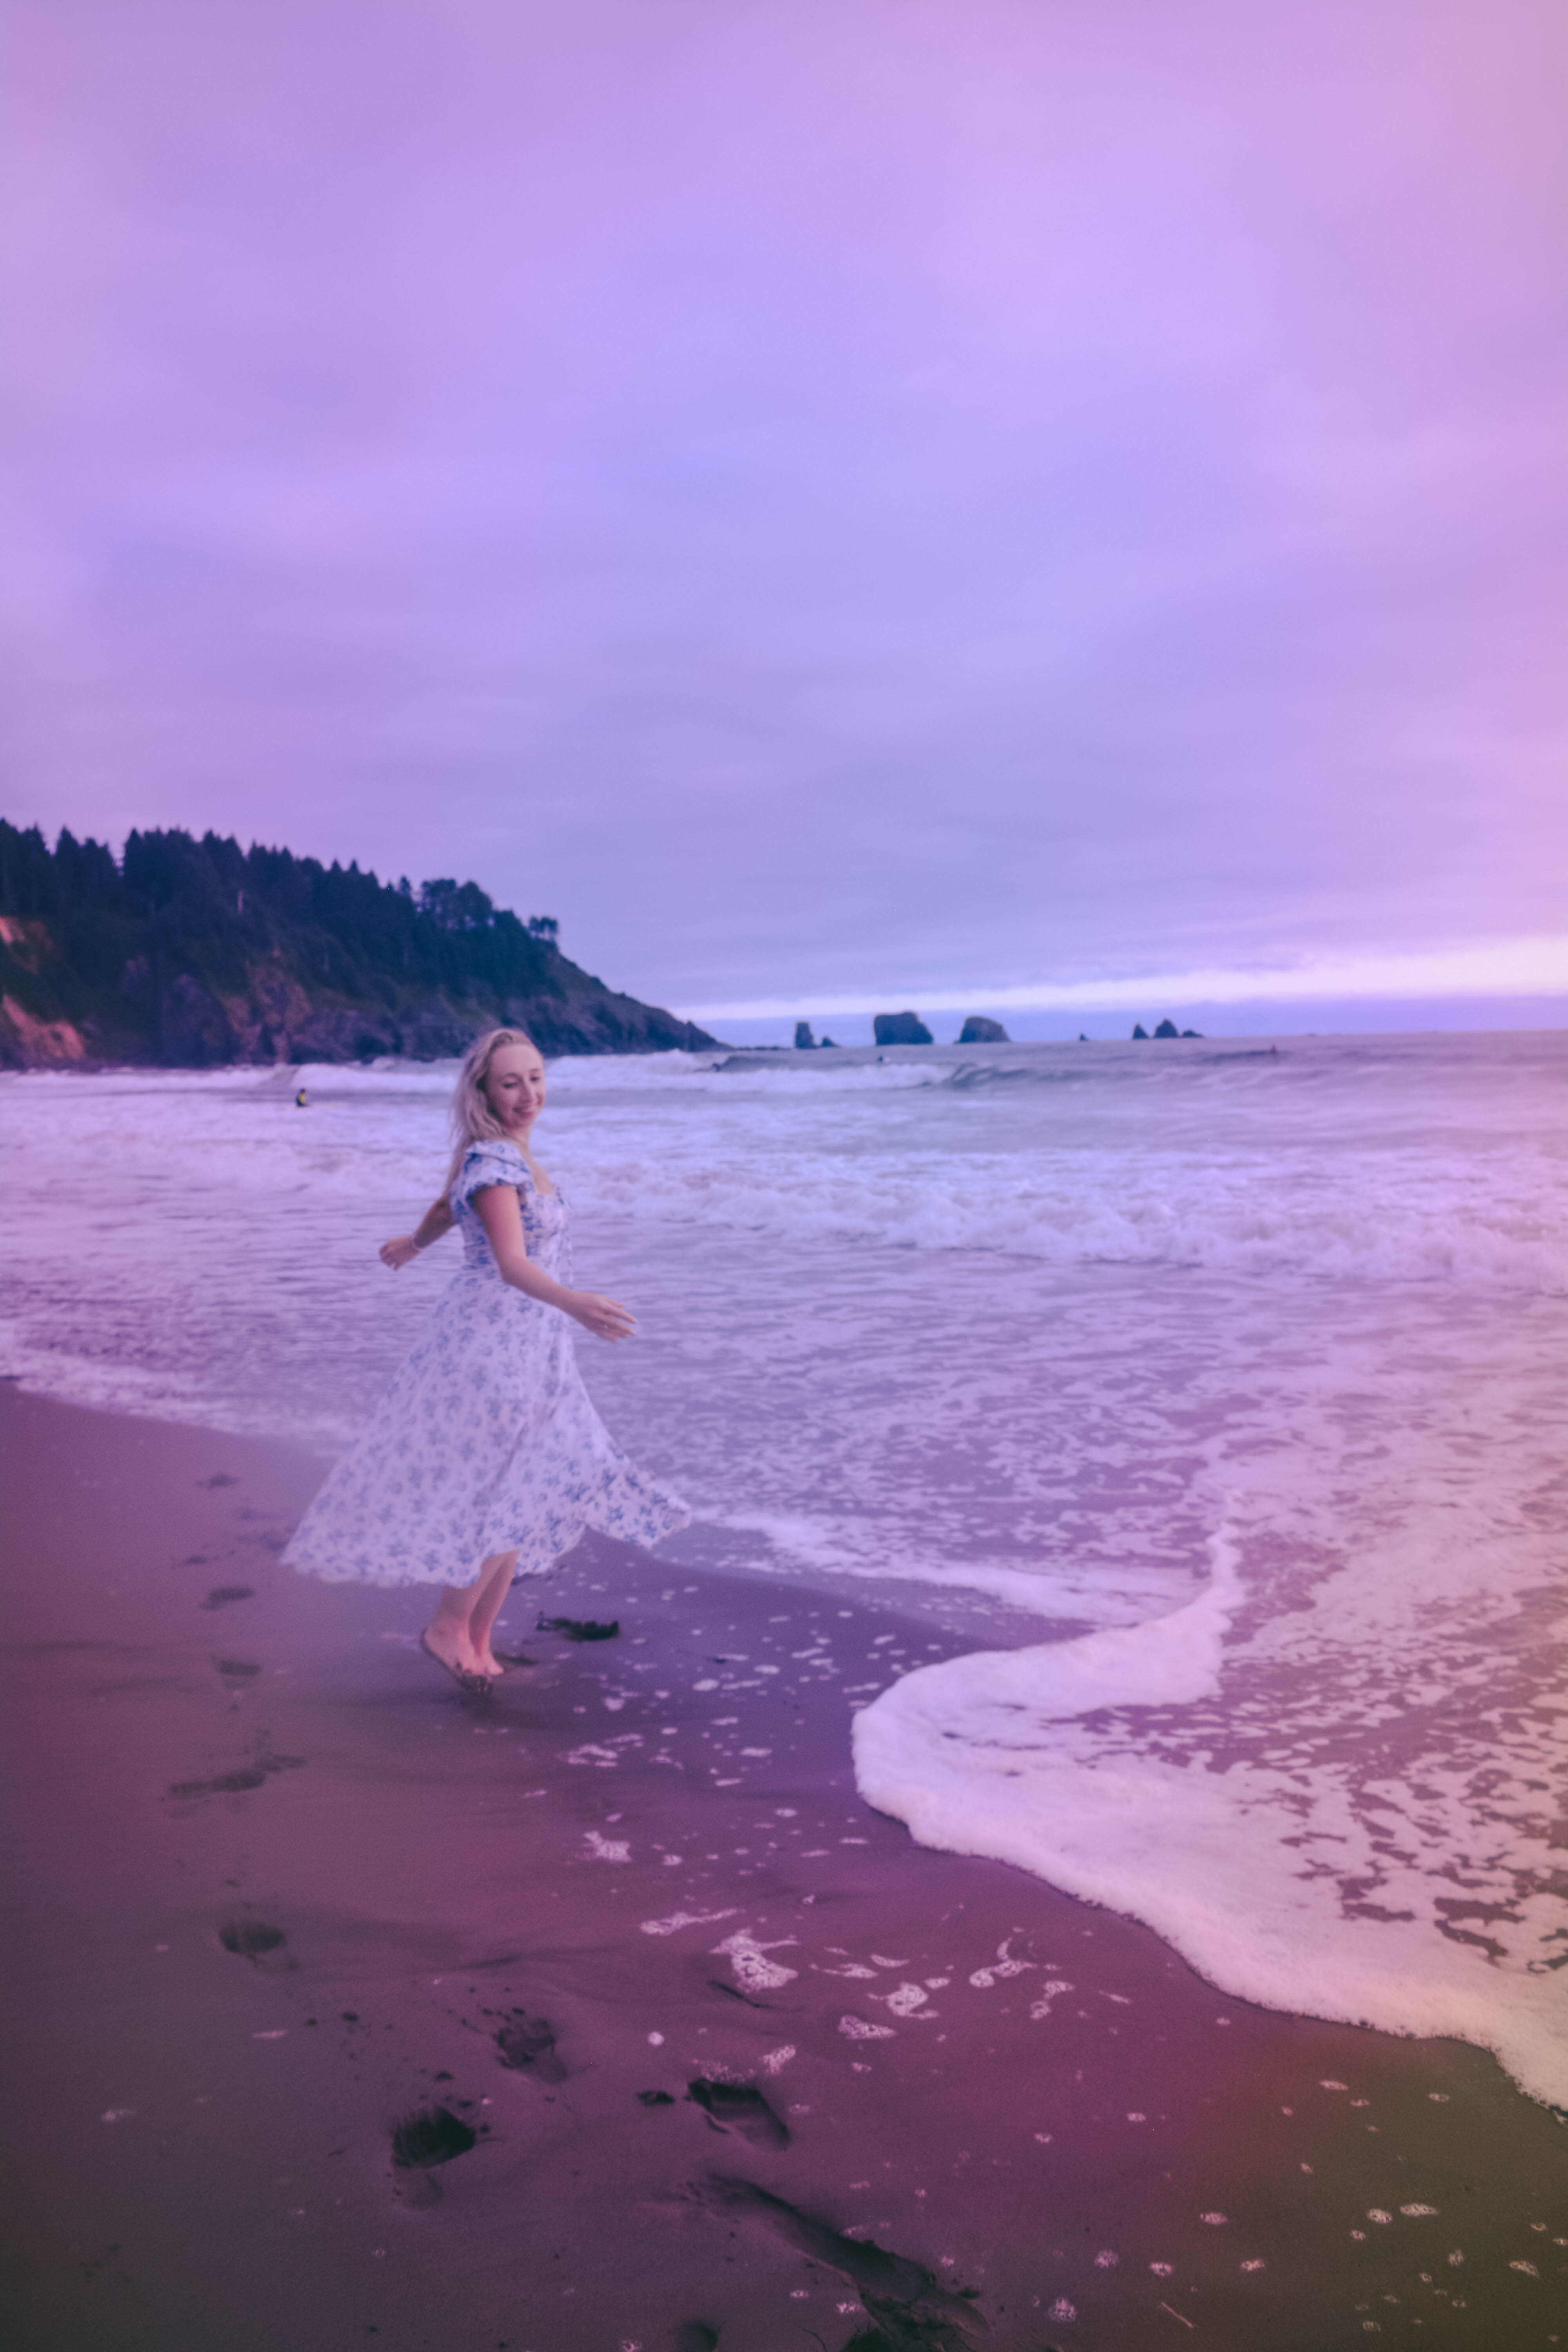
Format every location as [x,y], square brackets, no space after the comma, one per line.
[1414,1889]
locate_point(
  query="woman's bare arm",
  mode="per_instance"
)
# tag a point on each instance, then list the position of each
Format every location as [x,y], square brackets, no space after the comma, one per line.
[501,1218]
[437,1221]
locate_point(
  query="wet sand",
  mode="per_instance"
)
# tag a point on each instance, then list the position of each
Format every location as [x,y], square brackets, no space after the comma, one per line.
[712,2056]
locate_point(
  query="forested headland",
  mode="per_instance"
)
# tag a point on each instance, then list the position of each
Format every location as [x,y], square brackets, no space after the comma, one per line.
[192,954]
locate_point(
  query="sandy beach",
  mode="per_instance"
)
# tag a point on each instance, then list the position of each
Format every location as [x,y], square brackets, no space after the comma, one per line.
[713,2055]
[784,783]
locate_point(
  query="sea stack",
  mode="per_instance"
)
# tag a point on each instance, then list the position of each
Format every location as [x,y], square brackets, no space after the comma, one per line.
[900,1029]
[804,1040]
[978,1031]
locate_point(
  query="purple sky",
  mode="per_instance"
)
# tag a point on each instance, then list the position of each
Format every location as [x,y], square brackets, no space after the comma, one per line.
[839,502]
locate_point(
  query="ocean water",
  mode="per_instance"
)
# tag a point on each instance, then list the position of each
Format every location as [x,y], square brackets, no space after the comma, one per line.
[1218,1393]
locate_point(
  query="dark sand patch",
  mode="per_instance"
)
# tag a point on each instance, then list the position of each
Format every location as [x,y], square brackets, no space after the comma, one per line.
[985,2086]
[580,1628]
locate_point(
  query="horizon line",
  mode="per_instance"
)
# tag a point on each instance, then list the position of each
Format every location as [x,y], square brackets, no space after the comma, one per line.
[1531,967]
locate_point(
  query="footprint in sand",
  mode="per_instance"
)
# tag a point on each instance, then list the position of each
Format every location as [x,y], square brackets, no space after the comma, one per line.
[219,1478]
[250,1938]
[225,1784]
[740,2107]
[222,1594]
[914,2309]
[528,2044]
[236,1670]
[430,2136]
[234,1784]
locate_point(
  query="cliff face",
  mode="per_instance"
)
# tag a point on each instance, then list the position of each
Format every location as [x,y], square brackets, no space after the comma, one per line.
[193,954]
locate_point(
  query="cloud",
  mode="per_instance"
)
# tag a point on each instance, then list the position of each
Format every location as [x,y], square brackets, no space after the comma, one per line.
[1508,968]
[802,493]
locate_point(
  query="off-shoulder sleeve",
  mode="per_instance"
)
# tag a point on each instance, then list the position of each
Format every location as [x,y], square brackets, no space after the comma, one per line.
[489,1163]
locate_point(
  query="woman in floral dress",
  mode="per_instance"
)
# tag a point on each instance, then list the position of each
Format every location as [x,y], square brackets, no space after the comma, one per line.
[485,1459]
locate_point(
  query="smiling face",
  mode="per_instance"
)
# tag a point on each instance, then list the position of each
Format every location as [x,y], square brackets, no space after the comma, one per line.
[514,1086]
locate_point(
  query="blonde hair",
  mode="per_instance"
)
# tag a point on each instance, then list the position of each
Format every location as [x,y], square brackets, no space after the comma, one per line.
[473,1119]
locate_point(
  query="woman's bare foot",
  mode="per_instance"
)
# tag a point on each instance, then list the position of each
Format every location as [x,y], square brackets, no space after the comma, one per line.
[458,1636]
[451,1650]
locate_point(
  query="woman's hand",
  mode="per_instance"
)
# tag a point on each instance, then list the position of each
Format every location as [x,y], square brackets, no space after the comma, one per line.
[437,1221]
[606,1318]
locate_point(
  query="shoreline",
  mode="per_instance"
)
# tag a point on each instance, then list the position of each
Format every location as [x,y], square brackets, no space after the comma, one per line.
[1026,2103]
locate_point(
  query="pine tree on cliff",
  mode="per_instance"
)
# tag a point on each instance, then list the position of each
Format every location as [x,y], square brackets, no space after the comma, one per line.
[198,952]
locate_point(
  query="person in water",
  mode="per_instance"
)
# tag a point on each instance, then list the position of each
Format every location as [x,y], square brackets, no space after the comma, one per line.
[485,1459]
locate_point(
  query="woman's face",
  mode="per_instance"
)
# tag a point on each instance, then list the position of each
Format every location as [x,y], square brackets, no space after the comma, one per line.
[515,1085]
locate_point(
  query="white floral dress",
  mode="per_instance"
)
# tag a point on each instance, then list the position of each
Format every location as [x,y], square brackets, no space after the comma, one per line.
[486,1440]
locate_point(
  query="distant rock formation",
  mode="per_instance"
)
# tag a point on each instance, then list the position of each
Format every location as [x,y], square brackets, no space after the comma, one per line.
[1164,1029]
[978,1031]
[900,1029]
[804,1040]
[825,1043]
[193,954]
